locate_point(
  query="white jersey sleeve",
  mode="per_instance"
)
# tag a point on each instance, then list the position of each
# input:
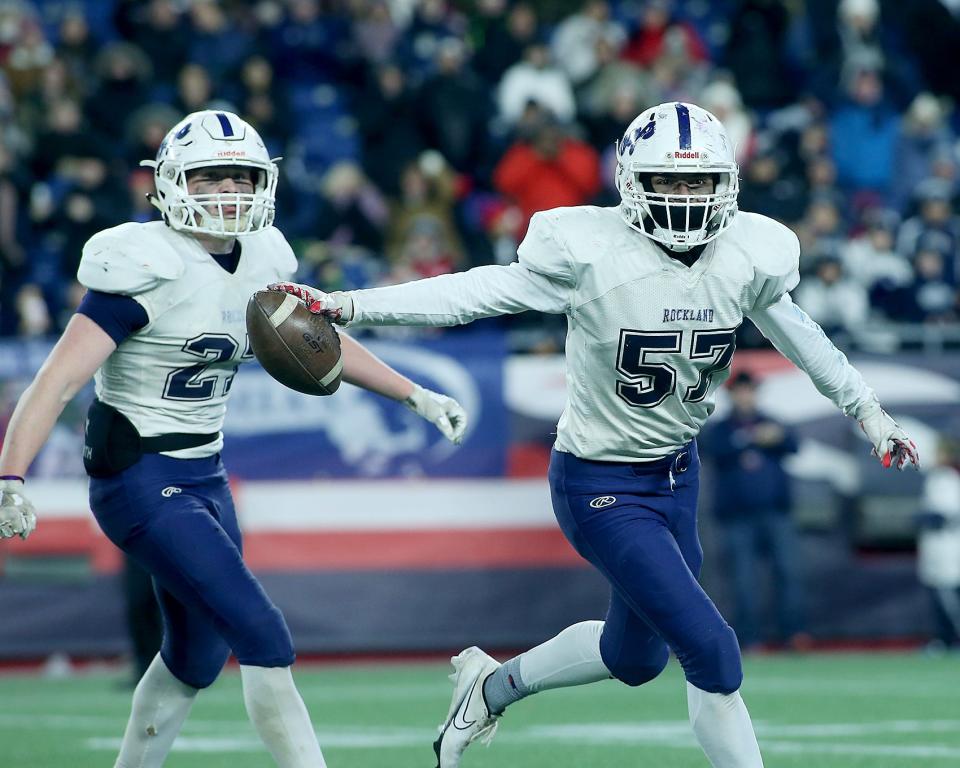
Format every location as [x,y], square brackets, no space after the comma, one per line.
[777,265]
[460,298]
[128,260]
[802,340]
[544,251]
[542,280]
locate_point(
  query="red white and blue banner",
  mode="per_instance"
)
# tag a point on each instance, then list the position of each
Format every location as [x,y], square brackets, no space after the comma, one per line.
[275,433]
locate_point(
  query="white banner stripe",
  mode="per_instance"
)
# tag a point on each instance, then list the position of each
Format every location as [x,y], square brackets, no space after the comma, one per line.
[351,505]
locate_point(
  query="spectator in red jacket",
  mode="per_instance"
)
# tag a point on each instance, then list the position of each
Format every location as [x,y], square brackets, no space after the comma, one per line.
[546,168]
[651,38]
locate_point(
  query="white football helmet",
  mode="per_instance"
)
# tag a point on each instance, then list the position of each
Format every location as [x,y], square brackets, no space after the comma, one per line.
[206,139]
[677,138]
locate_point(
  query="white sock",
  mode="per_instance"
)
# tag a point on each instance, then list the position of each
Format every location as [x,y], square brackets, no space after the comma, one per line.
[280,717]
[160,705]
[570,658]
[722,725]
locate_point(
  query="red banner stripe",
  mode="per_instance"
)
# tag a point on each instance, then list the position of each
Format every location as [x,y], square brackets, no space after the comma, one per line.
[452,549]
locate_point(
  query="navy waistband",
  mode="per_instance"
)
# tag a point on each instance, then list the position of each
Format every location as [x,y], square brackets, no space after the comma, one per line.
[678,461]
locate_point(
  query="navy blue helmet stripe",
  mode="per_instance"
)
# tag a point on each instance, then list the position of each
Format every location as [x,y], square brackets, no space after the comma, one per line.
[683,117]
[228,129]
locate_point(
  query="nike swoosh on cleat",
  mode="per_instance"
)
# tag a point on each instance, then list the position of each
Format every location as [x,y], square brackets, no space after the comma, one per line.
[462,725]
[453,721]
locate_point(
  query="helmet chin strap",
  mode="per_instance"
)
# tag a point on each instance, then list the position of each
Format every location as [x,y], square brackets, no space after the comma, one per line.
[681,252]
[675,248]
[643,227]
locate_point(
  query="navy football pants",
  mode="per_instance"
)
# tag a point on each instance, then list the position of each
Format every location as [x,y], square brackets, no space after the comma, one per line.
[176,518]
[637,524]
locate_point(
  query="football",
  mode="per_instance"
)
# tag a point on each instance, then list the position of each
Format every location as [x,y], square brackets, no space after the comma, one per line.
[299,349]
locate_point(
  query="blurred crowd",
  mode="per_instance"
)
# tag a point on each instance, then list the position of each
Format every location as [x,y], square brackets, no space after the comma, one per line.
[418,136]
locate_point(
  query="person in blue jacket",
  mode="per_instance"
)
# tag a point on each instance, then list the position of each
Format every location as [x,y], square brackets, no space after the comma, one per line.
[752,508]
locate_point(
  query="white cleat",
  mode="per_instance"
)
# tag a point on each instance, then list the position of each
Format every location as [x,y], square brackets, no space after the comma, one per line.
[468,719]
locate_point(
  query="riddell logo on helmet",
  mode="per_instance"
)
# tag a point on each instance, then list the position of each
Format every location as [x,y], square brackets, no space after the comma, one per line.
[686,155]
[232,153]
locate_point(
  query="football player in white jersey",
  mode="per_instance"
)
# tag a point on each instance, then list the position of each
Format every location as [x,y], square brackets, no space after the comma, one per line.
[654,290]
[162,327]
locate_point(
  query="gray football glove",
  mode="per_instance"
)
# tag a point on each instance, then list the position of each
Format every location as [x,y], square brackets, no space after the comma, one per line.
[890,443]
[17,517]
[445,412]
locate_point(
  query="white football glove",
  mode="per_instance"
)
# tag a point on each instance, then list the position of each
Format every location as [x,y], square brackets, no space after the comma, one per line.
[17,517]
[338,306]
[890,442]
[445,412]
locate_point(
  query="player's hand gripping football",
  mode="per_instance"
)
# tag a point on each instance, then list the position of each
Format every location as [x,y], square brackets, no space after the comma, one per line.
[17,517]
[445,412]
[890,442]
[338,306]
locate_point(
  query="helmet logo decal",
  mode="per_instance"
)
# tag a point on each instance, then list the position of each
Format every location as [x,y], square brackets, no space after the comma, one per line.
[225,124]
[683,119]
[183,131]
[627,143]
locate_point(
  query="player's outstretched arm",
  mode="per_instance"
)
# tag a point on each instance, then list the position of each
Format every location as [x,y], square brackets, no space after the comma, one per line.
[802,340]
[363,368]
[543,279]
[81,350]
[440,301]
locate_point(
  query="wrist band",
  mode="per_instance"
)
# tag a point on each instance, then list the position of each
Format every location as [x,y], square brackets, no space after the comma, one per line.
[11,477]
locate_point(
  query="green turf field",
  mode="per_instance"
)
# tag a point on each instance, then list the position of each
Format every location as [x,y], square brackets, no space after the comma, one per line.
[822,711]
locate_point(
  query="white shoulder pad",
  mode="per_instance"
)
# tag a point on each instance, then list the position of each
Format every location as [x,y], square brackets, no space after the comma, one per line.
[544,249]
[129,259]
[774,252]
[272,247]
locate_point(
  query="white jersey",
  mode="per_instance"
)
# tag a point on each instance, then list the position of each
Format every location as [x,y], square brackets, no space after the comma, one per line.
[174,374]
[649,339]
[938,550]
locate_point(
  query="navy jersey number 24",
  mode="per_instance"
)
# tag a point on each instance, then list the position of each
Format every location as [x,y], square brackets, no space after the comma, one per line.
[198,381]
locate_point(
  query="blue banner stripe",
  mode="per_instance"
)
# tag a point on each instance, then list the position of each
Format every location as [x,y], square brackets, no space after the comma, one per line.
[683,118]
[228,129]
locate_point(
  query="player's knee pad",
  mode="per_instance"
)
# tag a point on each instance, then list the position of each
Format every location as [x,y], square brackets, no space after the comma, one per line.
[263,640]
[199,667]
[640,672]
[712,661]
[633,666]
